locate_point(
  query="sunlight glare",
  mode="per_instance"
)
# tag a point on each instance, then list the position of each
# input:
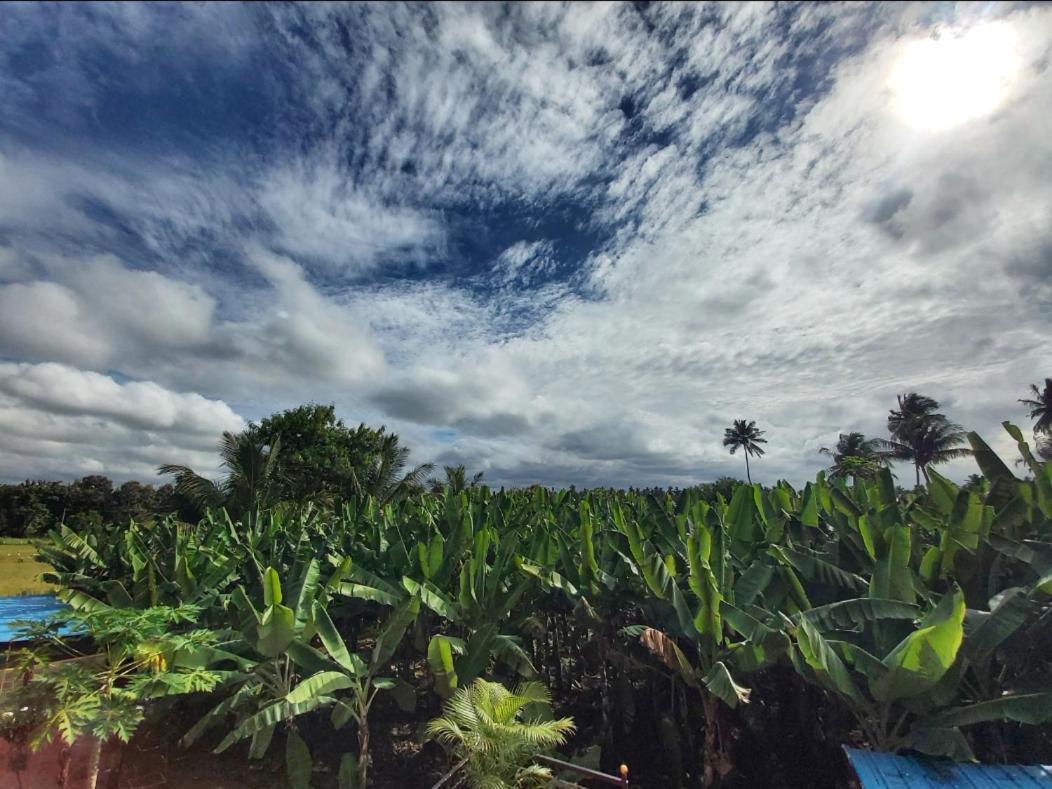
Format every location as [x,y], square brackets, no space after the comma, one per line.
[939,83]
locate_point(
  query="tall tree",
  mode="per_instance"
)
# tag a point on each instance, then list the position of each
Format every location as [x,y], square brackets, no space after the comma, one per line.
[1044,448]
[323,459]
[250,483]
[384,475]
[456,480]
[744,435]
[921,435]
[1040,406]
[319,453]
[854,456]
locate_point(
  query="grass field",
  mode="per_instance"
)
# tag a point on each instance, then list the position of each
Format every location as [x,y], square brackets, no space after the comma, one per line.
[19,574]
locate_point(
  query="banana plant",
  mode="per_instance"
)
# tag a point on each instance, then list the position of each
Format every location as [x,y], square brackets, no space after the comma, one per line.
[337,668]
[269,689]
[147,565]
[905,698]
[692,590]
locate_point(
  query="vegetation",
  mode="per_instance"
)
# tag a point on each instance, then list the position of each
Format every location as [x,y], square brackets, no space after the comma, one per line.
[484,727]
[30,508]
[922,436]
[710,617]
[747,437]
[855,456]
[100,695]
[20,573]
[1040,407]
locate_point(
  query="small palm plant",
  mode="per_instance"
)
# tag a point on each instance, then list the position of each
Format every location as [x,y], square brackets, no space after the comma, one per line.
[486,727]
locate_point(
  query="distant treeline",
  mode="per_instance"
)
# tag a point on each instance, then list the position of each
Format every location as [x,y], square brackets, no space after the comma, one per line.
[31,508]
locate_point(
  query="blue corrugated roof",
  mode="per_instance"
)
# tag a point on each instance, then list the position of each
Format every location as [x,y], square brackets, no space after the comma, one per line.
[887,771]
[32,607]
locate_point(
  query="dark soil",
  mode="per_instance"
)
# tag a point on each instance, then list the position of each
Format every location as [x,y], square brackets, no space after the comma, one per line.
[154,758]
[786,737]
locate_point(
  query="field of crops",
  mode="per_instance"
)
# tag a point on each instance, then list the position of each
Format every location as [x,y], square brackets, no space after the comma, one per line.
[704,642]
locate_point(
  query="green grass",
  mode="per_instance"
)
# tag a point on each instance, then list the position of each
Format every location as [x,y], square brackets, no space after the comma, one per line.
[19,574]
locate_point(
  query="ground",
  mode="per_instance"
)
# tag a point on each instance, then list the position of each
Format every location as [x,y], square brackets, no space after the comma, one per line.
[19,573]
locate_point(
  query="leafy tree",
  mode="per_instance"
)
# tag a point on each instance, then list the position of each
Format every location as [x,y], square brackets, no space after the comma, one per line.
[854,456]
[320,455]
[134,501]
[745,436]
[1040,406]
[93,493]
[486,727]
[299,455]
[921,435]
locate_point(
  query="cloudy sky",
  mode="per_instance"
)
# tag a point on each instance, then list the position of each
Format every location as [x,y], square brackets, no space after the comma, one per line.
[555,243]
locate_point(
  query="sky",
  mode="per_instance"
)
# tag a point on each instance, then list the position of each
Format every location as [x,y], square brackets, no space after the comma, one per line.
[555,243]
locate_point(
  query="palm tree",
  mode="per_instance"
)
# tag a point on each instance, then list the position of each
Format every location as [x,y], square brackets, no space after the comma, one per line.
[921,435]
[744,435]
[1041,407]
[456,480]
[483,725]
[250,482]
[1044,449]
[854,455]
[384,476]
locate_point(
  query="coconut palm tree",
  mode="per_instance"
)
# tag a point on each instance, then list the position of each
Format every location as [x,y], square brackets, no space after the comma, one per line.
[484,726]
[250,482]
[1044,449]
[921,435]
[384,476]
[745,436]
[456,480]
[914,409]
[1040,406]
[854,455]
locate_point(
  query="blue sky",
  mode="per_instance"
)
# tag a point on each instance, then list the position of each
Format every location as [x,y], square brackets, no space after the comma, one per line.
[555,243]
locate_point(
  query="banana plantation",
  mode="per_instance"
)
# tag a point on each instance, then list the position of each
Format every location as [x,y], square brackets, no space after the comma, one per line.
[720,641]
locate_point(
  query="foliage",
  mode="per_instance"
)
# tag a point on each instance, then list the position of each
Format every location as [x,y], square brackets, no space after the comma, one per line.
[854,456]
[456,480]
[30,509]
[746,436]
[487,726]
[922,615]
[251,482]
[138,655]
[921,435]
[1040,407]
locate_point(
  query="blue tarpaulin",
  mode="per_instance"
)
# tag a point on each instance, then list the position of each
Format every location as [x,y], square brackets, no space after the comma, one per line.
[33,607]
[888,771]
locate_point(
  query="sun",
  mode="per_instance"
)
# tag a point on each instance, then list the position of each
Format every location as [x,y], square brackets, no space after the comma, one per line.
[960,76]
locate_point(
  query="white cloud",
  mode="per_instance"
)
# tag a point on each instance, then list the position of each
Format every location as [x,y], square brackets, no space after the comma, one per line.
[779,245]
[57,420]
[102,315]
[321,215]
